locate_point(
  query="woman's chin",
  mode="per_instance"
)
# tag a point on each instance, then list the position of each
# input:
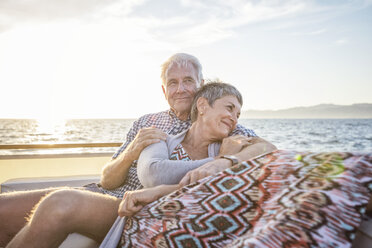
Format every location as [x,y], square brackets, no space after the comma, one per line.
[224,134]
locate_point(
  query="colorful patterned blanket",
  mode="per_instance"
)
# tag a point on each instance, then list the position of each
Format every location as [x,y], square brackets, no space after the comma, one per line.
[283,199]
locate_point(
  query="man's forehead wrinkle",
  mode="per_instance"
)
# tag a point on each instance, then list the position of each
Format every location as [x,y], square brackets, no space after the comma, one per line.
[180,65]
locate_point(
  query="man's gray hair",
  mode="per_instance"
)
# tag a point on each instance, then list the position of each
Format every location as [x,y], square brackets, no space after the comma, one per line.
[182,60]
[213,91]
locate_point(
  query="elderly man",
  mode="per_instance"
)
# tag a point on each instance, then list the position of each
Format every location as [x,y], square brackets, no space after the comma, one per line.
[92,211]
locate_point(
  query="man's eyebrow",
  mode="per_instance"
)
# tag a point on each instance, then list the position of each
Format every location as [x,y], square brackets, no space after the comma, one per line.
[189,77]
[170,80]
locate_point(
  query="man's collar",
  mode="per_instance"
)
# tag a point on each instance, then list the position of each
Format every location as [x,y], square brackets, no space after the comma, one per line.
[173,115]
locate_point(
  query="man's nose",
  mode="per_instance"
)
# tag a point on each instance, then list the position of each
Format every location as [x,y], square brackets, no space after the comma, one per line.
[180,87]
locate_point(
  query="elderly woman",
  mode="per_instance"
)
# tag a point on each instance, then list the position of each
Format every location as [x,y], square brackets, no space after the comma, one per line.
[161,166]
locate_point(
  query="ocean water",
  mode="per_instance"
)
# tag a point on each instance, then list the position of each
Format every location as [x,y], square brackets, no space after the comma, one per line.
[294,134]
[353,135]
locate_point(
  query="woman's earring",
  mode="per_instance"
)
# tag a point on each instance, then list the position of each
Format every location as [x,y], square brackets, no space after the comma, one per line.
[201,113]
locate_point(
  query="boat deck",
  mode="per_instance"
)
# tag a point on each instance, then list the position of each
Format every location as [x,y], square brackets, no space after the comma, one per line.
[52,169]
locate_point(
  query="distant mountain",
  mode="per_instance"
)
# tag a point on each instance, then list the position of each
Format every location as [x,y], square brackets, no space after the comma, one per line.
[321,111]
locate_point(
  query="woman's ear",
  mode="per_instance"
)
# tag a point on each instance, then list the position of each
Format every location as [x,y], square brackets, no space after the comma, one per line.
[202,104]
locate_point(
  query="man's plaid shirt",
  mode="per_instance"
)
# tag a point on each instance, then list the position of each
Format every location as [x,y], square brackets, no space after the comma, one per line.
[168,122]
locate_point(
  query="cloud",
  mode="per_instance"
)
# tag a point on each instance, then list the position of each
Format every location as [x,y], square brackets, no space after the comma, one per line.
[203,22]
[18,12]
[178,23]
[342,41]
[198,22]
[310,33]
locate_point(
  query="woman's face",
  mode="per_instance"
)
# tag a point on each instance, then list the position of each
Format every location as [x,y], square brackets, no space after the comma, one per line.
[222,117]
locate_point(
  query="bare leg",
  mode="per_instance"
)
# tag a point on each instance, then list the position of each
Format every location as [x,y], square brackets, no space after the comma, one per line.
[67,211]
[15,207]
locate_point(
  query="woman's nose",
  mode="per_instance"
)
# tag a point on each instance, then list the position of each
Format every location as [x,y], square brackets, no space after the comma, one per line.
[234,118]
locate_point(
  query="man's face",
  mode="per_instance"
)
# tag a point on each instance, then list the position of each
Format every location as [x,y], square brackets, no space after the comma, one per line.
[180,88]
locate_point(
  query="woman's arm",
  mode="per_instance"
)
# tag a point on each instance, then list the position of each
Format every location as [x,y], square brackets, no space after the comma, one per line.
[250,148]
[155,168]
[133,201]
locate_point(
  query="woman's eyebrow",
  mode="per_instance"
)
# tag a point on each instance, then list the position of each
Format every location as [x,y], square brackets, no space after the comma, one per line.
[233,105]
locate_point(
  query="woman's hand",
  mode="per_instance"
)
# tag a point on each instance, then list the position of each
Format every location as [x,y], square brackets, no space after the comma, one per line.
[134,201]
[208,169]
[234,144]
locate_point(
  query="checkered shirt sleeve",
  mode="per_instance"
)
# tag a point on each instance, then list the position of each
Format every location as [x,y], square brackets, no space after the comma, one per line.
[241,130]
[166,121]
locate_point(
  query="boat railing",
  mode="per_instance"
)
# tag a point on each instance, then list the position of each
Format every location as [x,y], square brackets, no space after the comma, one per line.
[61,145]
[67,153]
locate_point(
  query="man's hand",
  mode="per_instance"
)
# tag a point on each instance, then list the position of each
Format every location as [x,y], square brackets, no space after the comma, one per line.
[144,138]
[234,144]
[115,171]
[205,170]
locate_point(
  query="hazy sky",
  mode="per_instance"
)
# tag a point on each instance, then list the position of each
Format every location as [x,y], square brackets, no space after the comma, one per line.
[101,58]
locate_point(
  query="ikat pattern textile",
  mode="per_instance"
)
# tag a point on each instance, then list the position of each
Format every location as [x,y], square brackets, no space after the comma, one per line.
[283,199]
[179,153]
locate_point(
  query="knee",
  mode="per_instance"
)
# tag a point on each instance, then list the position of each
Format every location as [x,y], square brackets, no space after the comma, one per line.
[58,206]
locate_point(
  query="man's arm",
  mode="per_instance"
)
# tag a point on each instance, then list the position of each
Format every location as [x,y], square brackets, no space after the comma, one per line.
[115,172]
[257,147]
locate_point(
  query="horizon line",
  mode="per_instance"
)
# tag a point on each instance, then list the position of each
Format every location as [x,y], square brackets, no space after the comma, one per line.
[136,117]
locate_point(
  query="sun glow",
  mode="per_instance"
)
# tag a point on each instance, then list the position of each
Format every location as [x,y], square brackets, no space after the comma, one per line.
[47,125]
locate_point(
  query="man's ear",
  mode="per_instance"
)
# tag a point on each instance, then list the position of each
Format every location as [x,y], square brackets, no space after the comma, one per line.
[162,87]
